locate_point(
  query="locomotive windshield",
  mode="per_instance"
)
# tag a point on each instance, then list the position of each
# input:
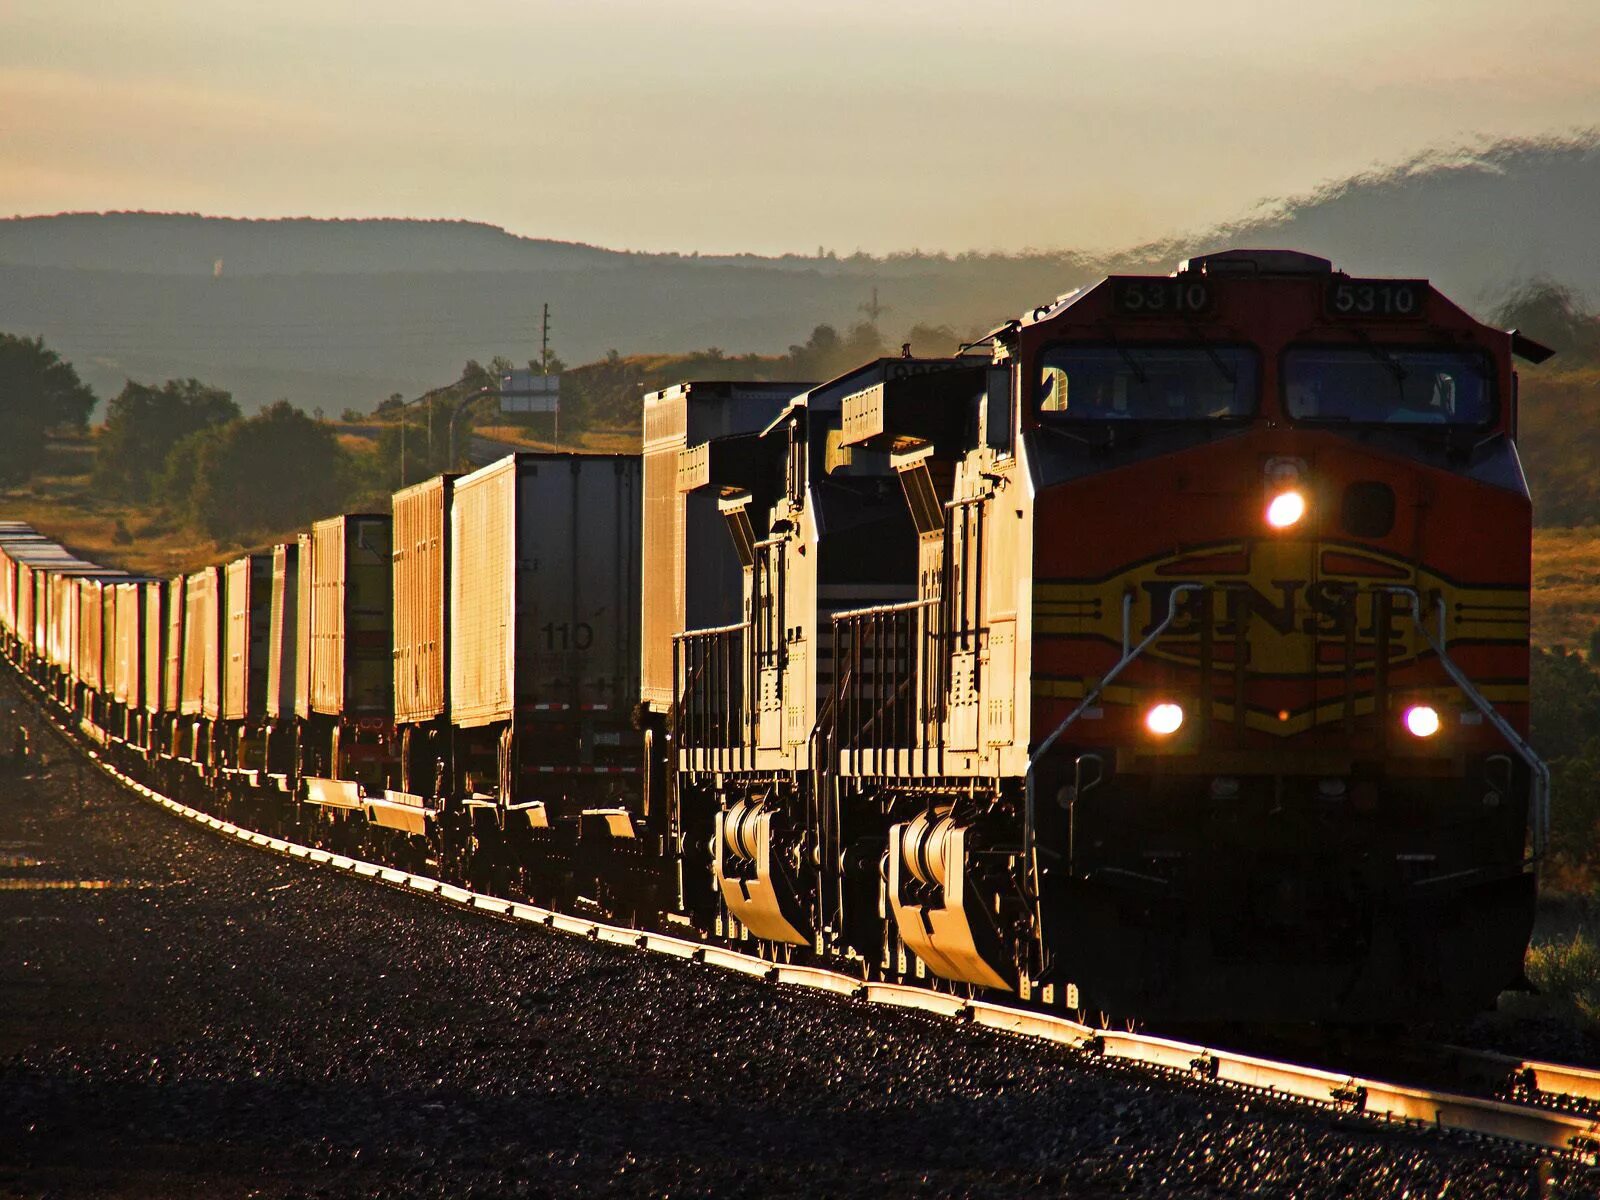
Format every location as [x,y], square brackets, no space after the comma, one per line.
[1377,385]
[1168,383]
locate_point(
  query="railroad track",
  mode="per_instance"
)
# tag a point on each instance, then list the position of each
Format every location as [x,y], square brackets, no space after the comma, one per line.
[1547,1105]
[1552,1107]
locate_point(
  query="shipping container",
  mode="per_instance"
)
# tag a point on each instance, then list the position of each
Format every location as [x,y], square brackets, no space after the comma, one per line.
[202,645]
[33,564]
[108,640]
[421,569]
[88,665]
[128,638]
[61,617]
[679,594]
[94,658]
[249,599]
[352,672]
[544,580]
[172,645]
[283,630]
[67,609]
[156,607]
[304,577]
[10,545]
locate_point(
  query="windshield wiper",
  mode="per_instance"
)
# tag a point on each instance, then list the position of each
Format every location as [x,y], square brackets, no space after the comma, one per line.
[1228,376]
[1128,358]
[1383,356]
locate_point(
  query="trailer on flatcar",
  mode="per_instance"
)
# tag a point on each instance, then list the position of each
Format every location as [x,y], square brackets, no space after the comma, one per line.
[544,670]
[344,705]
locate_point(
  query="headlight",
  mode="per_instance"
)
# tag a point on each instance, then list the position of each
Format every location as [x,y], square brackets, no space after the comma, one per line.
[1286,509]
[1422,720]
[1164,719]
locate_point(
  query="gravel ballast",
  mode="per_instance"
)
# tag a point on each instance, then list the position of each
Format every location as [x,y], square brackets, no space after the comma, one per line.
[217,1021]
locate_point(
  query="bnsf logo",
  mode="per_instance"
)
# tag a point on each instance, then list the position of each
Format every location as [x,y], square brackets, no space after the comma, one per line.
[1289,608]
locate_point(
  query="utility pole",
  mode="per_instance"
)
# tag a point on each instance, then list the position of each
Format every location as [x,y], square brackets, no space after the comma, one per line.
[874,310]
[544,342]
[544,365]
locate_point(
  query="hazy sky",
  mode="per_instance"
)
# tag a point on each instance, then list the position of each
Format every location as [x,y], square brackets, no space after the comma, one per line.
[718,125]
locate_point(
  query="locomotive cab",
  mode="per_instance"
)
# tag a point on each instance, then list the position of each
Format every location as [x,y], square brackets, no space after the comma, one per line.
[1281,643]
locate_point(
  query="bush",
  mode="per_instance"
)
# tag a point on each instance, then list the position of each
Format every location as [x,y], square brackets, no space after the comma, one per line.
[144,423]
[277,470]
[1566,731]
[1567,973]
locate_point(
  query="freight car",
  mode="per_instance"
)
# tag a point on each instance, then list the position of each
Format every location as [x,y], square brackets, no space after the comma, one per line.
[1163,655]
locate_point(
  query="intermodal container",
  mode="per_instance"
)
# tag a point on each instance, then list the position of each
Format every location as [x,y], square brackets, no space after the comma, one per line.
[89,656]
[33,565]
[544,578]
[302,625]
[352,589]
[248,594]
[10,545]
[421,600]
[202,644]
[69,608]
[282,630]
[128,677]
[172,645]
[61,618]
[108,637]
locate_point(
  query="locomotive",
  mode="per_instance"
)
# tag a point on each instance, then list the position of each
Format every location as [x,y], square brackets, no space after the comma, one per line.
[1162,655]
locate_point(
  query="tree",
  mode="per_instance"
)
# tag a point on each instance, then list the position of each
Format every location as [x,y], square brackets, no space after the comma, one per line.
[826,354]
[277,470]
[38,392]
[144,423]
[1553,313]
[927,341]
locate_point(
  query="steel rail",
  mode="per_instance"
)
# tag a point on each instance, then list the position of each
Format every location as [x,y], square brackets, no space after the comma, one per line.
[1530,1081]
[1552,1131]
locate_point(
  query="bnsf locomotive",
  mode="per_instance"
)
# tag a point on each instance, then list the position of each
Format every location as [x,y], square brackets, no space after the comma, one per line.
[1164,655]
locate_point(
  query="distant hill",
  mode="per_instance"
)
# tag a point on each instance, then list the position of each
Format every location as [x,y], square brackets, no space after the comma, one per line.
[189,244]
[336,314]
[1473,221]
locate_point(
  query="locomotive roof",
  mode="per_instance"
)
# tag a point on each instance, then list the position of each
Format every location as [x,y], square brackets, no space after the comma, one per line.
[1233,263]
[831,394]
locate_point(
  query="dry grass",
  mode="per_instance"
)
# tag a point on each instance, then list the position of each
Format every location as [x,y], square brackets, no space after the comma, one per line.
[1566,586]
[358,443]
[60,503]
[590,441]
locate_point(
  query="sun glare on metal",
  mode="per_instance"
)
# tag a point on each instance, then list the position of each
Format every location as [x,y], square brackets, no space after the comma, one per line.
[1286,509]
[1164,719]
[1422,720]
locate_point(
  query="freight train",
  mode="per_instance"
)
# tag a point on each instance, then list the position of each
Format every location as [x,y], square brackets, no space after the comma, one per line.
[1162,655]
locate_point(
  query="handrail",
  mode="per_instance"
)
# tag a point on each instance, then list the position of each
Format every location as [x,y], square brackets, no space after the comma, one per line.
[887,677]
[692,633]
[1128,656]
[1030,802]
[710,675]
[880,609]
[1539,817]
